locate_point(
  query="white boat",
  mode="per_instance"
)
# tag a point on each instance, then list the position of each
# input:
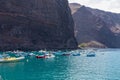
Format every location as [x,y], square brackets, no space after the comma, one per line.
[45,56]
[11,59]
[31,54]
[49,56]
[91,54]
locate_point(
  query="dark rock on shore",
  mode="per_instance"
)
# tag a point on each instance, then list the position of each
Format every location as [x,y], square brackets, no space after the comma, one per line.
[36,24]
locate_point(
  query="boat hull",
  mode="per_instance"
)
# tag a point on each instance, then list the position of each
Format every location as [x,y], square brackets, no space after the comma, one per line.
[11,60]
[65,54]
[92,55]
[46,56]
[40,56]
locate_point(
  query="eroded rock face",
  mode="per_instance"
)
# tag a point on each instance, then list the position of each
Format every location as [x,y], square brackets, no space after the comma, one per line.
[96,25]
[74,7]
[36,24]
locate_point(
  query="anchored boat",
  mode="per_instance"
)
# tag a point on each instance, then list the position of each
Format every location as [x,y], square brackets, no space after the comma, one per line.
[11,59]
[91,54]
[45,56]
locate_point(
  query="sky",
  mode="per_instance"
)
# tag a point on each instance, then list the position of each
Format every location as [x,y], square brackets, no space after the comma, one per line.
[106,5]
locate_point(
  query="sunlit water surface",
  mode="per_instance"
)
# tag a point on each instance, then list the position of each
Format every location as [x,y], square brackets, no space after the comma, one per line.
[104,66]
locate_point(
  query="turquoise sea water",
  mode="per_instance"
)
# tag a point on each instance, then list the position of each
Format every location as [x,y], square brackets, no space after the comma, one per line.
[104,66]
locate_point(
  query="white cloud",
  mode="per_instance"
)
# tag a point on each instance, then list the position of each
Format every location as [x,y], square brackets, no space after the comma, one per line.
[107,5]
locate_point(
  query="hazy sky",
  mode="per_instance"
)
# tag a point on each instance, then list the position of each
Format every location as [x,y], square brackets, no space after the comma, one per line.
[107,5]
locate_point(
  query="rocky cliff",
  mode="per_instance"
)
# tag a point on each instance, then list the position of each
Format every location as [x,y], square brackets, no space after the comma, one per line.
[96,26]
[36,24]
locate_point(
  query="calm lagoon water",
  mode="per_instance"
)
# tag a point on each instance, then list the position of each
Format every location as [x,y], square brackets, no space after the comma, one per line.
[105,66]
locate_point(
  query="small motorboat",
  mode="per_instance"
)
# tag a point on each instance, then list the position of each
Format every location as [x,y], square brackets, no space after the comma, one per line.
[31,54]
[78,54]
[45,56]
[11,59]
[49,56]
[40,56]
[66,54]
[91,54]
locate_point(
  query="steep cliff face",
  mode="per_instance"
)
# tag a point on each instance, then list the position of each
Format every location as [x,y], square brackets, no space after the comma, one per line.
[96,25]
[35,24]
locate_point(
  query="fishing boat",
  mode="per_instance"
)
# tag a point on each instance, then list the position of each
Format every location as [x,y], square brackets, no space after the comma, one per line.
[11,59]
